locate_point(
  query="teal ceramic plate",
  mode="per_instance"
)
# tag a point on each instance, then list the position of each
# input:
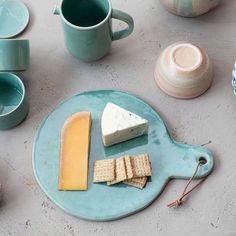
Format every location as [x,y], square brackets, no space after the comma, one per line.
[100,203]
[14,18]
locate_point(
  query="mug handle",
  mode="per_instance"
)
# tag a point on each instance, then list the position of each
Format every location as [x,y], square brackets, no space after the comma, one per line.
[56,10]
[120,15]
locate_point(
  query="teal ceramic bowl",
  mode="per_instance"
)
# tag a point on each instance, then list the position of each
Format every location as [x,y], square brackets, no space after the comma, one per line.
[13,105]
[14,55]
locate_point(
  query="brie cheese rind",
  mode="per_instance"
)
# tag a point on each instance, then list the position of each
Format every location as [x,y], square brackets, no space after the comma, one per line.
[119,125]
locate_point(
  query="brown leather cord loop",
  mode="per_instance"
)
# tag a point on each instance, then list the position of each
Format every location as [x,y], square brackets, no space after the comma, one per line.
[179,201]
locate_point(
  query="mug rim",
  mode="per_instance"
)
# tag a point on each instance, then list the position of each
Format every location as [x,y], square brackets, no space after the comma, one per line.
[14,40]
[87,27]
[17,78]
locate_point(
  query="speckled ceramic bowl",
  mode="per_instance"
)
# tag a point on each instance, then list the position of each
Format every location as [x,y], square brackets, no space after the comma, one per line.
[189,8]
[234,78]
[184,70]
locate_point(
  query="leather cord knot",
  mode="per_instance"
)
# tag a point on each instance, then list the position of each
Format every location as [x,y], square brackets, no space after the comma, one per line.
[178,202]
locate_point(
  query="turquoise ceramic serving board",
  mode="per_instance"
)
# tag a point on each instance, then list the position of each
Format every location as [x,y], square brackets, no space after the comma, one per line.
[14,18]
[100,202]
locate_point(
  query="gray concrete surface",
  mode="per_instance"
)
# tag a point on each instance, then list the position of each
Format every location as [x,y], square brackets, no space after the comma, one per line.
[55,75]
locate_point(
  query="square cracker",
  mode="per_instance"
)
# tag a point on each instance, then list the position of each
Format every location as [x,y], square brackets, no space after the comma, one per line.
[104,170]
[120,171]
[128,166]
[138,182]
[141,165]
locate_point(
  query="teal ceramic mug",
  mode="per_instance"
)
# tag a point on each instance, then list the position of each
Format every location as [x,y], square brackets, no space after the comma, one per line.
[13,105]
[87,26]
[14,55]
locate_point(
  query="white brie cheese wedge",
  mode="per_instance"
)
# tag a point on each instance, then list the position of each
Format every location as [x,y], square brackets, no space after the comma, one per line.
[120,125]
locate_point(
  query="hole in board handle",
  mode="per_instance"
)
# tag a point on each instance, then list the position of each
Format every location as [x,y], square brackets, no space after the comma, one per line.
[202,161]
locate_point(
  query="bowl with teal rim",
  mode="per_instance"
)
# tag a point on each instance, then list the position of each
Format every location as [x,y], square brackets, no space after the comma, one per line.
[14,55]
[13,105]
[234,78]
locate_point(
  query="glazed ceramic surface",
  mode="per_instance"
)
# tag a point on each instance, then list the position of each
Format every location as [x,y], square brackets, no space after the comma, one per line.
[184,70]
[101,202]
[14,55]
[13,104]
[87,27]
[189,8]
[14,18]
[234,78]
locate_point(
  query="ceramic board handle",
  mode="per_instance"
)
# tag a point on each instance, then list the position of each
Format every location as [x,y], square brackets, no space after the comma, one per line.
[56,10]
[188,161]
[203,154]
[120,15]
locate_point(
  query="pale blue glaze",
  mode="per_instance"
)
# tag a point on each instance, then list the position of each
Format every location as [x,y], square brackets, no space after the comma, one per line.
[101,203]
[14,17]
[87,27]
[14,55]
[13,105]
[186,8]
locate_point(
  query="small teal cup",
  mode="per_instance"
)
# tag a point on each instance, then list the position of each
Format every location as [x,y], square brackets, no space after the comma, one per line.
[87,26]
[14,55]
[13,105]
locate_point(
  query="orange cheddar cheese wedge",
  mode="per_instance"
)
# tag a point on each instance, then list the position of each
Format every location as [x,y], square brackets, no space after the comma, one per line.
[75,141]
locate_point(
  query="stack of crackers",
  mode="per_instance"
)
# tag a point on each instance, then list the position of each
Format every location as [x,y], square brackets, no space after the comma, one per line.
[131,170]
